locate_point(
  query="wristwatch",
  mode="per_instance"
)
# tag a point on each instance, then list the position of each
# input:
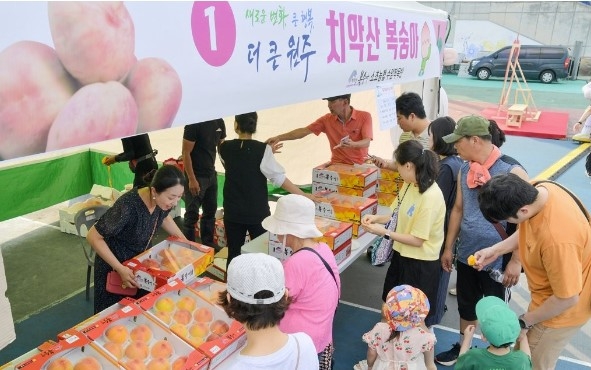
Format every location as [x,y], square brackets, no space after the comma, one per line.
[387,235]
[522,323]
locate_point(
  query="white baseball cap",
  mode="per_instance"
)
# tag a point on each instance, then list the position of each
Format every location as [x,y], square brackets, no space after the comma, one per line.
[251,273]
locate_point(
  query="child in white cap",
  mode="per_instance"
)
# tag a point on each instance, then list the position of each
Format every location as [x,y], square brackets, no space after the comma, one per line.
[397,342]
[500,327]
[256,297]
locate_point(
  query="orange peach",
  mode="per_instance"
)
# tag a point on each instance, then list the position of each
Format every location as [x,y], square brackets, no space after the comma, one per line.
[179,329]
[61,363]
[117,333]
[115,349]
[135,364]
[88,363]
[159,364]
[165,304]
[179,363]
[164,316]
[219,327]
[141,332]
[162,348]
[151,263]
[203,314]
[137,350]
[199,329]
[182,317]
[195,341]
[186,303]
[213,336]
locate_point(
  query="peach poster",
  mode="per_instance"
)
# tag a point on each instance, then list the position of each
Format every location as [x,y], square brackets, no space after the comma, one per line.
[75,73]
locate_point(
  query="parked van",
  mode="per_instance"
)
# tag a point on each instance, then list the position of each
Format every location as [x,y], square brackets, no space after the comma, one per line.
[538,62]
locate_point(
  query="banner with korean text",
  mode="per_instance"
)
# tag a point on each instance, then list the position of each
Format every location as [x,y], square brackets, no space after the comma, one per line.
[75,73]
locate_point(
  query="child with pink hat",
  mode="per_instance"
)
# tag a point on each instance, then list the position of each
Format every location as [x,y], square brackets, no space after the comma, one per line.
[397,341]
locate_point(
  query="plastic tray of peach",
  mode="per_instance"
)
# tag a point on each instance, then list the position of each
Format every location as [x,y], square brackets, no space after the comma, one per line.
[85,357]
[173,258]
[138,343]
[191,317]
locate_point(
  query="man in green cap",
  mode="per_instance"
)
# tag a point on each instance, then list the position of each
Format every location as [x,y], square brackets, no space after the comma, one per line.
[472,140]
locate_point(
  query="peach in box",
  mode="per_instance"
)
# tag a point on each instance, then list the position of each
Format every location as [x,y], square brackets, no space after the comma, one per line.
[73,352]
[344,207]
[179,258]
[335,233]
[211,330]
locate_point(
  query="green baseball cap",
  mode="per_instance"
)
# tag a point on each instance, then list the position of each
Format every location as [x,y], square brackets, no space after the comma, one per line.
[498,322]
[468,126]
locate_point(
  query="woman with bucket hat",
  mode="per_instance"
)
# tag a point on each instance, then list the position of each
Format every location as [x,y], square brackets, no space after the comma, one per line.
[397,341]
[311,274]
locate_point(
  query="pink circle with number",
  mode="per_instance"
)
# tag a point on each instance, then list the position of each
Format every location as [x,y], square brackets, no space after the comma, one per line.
[214,31]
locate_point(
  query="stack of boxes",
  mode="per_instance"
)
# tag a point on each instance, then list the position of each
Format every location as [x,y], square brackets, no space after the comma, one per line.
[349,192]
[389,184]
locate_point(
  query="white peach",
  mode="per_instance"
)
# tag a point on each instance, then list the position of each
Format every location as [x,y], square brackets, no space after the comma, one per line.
[157,90]
[96,112]
[94,40]
[34,87]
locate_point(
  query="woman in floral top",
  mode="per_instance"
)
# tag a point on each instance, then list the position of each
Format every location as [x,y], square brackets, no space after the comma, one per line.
[397,343]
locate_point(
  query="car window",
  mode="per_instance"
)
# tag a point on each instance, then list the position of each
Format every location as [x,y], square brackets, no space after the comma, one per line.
[504,54]
[529,53]
[552,53]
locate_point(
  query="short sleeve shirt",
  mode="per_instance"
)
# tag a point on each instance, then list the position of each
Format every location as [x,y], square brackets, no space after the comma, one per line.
[358,127]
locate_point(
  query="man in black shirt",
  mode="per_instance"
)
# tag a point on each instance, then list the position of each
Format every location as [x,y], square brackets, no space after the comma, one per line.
[200,142]
[142,158]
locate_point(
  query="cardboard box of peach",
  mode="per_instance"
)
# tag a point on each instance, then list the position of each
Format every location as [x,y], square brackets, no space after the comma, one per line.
[201,324]
[344,207]
[366,192]
[169,259]
[74,352]
[135,341]
[345,175]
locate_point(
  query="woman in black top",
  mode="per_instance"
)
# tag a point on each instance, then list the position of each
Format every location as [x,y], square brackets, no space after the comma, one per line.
[128,227]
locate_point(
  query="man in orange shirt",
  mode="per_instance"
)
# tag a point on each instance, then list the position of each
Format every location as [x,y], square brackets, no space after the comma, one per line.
[554,243]
[349,131]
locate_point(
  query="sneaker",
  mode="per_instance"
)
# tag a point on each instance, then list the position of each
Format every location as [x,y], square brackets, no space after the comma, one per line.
[584,138]
[449,358]
[453,291]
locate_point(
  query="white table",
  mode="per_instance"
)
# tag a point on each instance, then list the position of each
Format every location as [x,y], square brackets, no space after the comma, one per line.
[359,245]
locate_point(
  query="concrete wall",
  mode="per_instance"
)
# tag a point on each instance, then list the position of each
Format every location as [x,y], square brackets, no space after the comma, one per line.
[546,22]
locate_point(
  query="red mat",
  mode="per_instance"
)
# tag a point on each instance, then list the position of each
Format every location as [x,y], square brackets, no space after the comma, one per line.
[550,125]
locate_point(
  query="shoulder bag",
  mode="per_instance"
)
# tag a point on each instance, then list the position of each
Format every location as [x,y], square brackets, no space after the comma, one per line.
[382,251]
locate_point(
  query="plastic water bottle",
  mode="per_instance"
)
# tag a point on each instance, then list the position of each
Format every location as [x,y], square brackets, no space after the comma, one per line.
[496,275]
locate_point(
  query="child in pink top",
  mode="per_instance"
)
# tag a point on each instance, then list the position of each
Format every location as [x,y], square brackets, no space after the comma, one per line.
[397,343]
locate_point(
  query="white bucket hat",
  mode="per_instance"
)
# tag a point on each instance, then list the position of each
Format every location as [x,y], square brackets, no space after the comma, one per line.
[294,215]
[251,273]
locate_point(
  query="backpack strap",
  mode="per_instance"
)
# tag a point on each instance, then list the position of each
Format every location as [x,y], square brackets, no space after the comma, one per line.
[575,198]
